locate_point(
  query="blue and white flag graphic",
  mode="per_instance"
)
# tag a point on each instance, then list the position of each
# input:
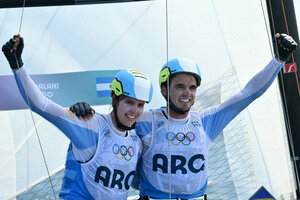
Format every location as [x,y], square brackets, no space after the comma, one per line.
[103,86]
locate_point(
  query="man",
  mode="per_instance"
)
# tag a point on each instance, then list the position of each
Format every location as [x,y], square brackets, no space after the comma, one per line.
[176,140]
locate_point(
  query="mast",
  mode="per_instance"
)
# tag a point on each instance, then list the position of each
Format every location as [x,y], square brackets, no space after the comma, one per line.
[282,19]
[34,3]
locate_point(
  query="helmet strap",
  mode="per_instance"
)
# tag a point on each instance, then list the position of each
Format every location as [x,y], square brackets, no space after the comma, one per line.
[175,109]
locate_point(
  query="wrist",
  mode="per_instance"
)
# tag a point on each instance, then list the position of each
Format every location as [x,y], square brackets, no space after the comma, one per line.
[15,69]
[16,64]
[279,60]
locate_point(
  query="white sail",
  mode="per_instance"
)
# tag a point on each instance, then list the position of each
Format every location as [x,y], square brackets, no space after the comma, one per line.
[229,41]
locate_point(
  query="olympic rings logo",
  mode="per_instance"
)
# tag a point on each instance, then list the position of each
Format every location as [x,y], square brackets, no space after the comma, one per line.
[180,137]
[123,152]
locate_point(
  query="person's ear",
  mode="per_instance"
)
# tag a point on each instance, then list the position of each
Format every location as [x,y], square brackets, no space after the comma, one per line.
[164,90]
[114,101]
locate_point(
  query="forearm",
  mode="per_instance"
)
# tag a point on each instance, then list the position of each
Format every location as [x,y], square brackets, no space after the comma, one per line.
[31,94]
[255,87]
[216,118]
[262,80]
[83,134]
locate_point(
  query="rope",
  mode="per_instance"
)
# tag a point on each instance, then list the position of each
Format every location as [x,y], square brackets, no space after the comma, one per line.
[168,99]
[22,16]
[31,113]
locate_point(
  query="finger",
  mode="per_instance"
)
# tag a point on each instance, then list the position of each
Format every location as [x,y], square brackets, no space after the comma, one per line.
[282,35]
[15,42]
[82,110]
[7,47]
[17,39]
[294,47]
[21,40]
[290,43]
[72,108]
[20,43]
[87,107]
[89,116]
[15,47]
[85,118]
[286,41]
[10,44]
[77,110]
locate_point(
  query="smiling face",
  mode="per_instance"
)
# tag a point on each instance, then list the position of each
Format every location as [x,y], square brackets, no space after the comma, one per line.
[129,110]
[183,89]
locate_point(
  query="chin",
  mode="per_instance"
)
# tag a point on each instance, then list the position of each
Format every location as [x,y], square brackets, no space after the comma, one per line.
[185,109]
[128,124]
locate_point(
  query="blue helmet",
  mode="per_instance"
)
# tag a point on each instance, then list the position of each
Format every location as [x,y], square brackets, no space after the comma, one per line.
[132,83]
[179,65]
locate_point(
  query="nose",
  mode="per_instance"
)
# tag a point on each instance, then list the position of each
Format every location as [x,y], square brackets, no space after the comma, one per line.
[135,109]
[187,92]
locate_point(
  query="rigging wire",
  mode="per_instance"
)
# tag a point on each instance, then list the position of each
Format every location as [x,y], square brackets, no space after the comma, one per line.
[20,26]
[31,113]
[286,116]
[168,99]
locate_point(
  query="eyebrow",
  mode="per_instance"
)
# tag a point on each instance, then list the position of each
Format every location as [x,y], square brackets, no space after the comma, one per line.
[182,84]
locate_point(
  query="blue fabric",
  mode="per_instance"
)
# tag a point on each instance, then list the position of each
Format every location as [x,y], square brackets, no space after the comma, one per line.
[73,186]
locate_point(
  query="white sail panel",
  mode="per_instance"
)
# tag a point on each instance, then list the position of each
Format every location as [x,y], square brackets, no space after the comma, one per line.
[221,37]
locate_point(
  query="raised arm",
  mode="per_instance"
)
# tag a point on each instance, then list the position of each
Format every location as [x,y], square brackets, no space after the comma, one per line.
[216,119]
[83,134]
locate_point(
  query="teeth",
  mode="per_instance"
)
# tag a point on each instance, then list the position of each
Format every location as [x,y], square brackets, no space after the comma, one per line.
[184,100]
[131,116]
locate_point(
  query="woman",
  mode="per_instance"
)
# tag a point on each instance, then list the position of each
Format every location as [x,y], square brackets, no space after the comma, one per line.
[103,151]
